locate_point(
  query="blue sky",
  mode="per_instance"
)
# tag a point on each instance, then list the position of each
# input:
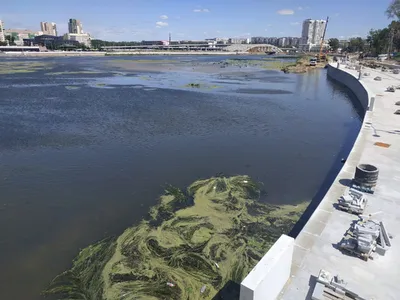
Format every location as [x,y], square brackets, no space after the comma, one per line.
[197,19]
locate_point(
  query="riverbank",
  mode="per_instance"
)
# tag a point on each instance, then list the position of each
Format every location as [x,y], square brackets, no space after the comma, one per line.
[302,65]
[316,245]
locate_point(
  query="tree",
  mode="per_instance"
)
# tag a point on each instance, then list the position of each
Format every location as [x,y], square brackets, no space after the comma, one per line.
[356,45]
[378,40]
[334,44]
[3,43]
[11,40]
[393,10]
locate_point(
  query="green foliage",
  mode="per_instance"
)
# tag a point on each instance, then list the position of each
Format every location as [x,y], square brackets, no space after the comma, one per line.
[11,40]
[378,40]
[393,10]
[356,45]
[334,44]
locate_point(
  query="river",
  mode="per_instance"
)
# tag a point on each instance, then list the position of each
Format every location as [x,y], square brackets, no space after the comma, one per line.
[87,144]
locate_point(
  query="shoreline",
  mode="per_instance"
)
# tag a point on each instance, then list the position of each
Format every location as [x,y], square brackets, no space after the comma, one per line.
[122,53]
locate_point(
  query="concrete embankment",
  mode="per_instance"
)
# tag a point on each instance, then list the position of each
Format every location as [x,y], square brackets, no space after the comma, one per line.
[315,247]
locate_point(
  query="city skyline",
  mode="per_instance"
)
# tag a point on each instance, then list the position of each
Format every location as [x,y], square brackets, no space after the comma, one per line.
[197,19]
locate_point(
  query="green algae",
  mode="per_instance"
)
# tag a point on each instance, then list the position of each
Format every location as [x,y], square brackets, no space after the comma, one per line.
[72,87]
[201,86]
[213,232]
[146,61]
[15,67]
[73,73]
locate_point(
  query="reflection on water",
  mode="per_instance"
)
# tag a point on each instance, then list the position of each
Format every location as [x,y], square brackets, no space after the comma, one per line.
[77,165]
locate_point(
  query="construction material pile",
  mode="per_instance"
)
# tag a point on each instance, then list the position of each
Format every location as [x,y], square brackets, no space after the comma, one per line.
[353,201]
[365,237]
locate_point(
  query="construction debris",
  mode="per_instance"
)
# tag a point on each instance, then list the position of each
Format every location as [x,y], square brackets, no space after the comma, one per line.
[332,287]
[365,237]
[378,78]
[390,89]
[353,201]
[397,112]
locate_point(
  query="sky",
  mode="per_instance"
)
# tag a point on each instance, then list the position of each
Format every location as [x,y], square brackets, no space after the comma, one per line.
[136,20]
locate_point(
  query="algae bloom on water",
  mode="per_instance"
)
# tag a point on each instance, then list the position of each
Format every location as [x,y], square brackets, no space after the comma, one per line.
[192,244]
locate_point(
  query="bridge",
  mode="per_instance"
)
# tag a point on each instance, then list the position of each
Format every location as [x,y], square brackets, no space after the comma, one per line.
[254,48]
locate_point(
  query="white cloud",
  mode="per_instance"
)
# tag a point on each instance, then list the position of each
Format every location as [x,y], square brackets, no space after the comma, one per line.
[300,8]
[286,12]
[163,17]
[201,10]
[337,15]
[160,24]
[295,23]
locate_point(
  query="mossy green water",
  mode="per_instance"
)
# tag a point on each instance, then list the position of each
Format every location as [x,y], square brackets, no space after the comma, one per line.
[193,242]
[14,67]
[73,73]
[202,86]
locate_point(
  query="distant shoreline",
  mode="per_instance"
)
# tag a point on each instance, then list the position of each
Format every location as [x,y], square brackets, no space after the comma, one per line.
[96,53]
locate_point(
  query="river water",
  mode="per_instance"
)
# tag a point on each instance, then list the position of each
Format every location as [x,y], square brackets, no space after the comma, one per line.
[87,144]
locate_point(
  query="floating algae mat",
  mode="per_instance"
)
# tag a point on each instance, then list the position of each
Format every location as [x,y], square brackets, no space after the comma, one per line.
[73,72]
[13,67]
[193,243]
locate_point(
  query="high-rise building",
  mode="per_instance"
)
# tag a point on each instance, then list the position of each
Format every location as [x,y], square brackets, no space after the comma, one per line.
[48,28]
[312,33]
[75,26]
[2,37]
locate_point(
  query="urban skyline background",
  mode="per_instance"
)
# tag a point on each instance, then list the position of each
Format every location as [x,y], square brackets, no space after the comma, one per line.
[143,20]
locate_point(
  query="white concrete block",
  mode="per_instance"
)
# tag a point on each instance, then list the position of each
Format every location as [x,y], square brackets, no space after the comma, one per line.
[269,276]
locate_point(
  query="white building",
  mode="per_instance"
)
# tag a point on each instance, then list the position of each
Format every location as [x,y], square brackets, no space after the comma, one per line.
[312,33]
[239,40]
[48,28]
[2,36]
[282,42]
[83,38]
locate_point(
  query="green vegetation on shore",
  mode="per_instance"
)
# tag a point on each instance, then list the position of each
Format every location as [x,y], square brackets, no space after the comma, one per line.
[192,243]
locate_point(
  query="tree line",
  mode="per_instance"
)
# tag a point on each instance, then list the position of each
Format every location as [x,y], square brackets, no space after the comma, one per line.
[378,41]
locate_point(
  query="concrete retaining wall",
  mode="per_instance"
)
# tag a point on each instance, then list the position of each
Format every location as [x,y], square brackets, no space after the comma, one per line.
[359,90]
[270,275]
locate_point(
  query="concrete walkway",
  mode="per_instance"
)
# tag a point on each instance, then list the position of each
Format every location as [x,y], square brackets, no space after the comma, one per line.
[315,246]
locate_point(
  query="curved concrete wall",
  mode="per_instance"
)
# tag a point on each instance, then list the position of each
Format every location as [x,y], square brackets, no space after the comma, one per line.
[257,284]
[360,91]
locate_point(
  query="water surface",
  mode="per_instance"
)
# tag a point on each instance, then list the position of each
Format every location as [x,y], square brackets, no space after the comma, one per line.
[85,151]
